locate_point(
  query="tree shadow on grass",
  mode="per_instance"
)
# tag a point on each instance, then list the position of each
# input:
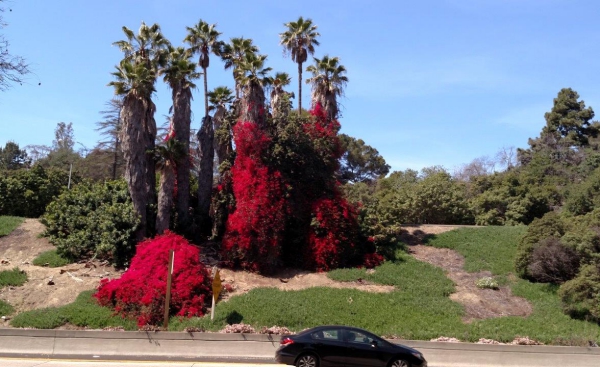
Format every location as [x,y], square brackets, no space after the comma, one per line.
[234,317]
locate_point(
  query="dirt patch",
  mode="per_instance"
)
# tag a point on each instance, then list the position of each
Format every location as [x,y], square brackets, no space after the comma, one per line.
[24,244]
[478,303]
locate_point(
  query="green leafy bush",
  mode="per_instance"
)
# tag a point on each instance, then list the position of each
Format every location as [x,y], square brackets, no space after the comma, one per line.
[93,220]
[550,225]
[15,277]
[26,193]
[581,295]
[51,259]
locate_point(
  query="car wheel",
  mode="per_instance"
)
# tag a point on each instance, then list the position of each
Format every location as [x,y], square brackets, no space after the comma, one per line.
[307,360]
[399,363]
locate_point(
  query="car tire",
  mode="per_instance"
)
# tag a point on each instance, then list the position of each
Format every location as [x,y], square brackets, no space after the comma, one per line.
[307,360]
[399,363]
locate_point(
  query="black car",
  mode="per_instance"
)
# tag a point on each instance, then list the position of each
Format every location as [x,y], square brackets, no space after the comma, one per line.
[325,346]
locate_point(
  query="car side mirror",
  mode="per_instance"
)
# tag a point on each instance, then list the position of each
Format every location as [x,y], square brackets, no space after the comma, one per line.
[374,344]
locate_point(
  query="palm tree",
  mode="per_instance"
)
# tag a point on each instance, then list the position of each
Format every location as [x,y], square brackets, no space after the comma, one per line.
[232,54]
[253,76]
[279,97]
[167,156]
[179,73]
[328,81]
[300,40]
[203,39]
[135,78]
[219,99]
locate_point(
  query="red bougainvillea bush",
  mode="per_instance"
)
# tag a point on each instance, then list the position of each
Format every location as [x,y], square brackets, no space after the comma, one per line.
[140,292]
[289,207]
[253,236]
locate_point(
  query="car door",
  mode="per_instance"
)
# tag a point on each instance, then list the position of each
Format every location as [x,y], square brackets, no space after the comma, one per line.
[329,345]
[363,350]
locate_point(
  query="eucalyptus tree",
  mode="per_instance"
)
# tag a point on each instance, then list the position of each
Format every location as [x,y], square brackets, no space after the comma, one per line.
[220,98]
[279,97]
[135,77]
[253,77]
[232,54]
[13,68]
[110,127]
[328,81]
[179,74]
[300,40]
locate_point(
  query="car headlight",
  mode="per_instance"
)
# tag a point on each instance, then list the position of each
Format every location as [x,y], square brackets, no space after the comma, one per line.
[417,354]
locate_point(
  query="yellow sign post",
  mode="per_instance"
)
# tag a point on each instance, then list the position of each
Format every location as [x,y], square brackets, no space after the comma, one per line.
[216,288]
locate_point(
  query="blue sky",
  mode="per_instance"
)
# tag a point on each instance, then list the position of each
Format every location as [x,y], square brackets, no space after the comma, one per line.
[438,82]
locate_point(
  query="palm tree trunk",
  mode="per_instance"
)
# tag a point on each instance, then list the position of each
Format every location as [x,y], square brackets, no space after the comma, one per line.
[206,152]
[165,197]
[138,134]
[181,123]
[299,88]
[205,93]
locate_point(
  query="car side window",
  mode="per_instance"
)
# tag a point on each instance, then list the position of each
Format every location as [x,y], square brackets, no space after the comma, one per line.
[326,334]
[358,337]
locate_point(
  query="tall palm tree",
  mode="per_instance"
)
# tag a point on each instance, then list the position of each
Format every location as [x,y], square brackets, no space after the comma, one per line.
[203,39]
[232,54]
[328,81]
[167,156]
[135,76]
[253,76]
[279,106]
[179,74]
[220,98]
[300,40]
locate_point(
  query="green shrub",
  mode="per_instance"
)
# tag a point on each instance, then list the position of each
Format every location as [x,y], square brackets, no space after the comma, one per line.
[27,192]
[14,277]
[550,225]
[9,224]
[51,259]
[93,220]
[581,295]
[5,308]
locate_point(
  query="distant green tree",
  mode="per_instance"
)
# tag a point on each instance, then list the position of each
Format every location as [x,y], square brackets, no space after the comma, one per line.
[570,119]
[360,162]
[12,157]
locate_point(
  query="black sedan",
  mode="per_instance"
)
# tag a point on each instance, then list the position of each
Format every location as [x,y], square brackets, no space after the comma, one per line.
[325,346]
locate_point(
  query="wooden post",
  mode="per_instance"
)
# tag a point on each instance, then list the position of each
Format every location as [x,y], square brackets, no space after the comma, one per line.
[168,297]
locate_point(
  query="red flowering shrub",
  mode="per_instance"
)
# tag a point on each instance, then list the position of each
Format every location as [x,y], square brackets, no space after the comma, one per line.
[141,290]
[253,236]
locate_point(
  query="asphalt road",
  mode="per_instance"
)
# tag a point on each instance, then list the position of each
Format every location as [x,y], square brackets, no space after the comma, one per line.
[108,349]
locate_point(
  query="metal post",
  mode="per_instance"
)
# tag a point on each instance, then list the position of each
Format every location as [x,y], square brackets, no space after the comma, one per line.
[168,297]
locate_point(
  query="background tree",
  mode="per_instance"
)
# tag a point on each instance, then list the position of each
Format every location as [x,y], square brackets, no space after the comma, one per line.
[360,162]
[300,40]
[135,77]
[167,156]
[179,73]
[253,76]
[279,106]
[328,81]
[13,68]
[110,128]
[12,157]
[220,98]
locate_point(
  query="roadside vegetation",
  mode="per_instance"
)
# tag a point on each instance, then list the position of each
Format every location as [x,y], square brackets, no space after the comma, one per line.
[419,307]
[50,259]
[8,224]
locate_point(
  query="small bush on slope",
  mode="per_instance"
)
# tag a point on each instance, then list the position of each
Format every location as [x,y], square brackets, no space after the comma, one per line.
[141,291]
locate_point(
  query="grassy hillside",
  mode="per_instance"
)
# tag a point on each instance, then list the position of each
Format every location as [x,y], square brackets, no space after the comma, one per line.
[8,224]
[419,308]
